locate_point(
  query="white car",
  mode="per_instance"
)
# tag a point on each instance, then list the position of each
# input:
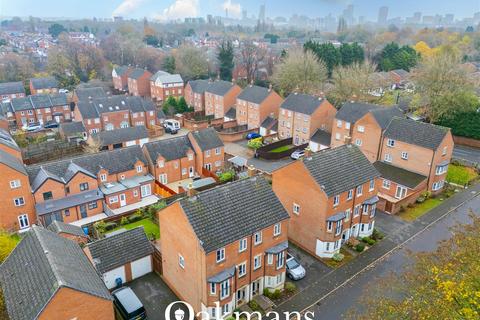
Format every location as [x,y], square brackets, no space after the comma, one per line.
[63,91]
[32,127]
[295,271]
[171,126]
[297,154]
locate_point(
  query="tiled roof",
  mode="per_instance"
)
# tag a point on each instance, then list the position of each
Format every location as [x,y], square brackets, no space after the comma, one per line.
[230,212]
[322,137]
[21,104]
[72,128]
[7,140]
[90,93]
[161,114]
[418,133]
[115,251]
[115,161]
[12,162]
[121,70]
[231,113]
[95,107]
[254,94]
[66,202]
[121,135]
[137,73]
[269,123]
[40,101]
[340,169]
[165,77]
[384,115]
[207,139]
[398,175]
[42,263]
[44,83]
[199,86]
[58,99]
[352,111]
[170,149]
[219,87]
[11,88]
[62,227]
[302,103]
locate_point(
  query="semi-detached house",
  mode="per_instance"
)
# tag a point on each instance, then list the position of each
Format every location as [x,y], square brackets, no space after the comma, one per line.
[195,94]
[164,85]
[225,245]
[331,196]
[255,104]
[220,96]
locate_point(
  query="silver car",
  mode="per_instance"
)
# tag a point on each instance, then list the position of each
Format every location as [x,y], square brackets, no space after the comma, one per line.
[295,271]
[297,154]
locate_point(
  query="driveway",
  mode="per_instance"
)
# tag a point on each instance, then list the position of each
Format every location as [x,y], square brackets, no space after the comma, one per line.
[154,294]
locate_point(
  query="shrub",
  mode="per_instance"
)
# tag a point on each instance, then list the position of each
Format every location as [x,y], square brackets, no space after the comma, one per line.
[290,287]
[338,257]
[135,217]
[110,226]
[226,176]
[275,295]
[377,235]
[123,221]
[360,247]
[426,194]
[254,305]
[100,226]
[266,292]
[368,240]
[421,200]
[255,143]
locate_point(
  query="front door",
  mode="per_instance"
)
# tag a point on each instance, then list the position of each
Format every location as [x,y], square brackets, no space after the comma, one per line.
[255,288]
[191,172]
[57,119]
[163,178]
[208,166]
[355,231]
[123,200]
[83,211]
[388,207]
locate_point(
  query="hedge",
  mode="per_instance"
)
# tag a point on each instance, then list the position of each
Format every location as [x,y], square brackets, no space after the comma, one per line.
[464,124]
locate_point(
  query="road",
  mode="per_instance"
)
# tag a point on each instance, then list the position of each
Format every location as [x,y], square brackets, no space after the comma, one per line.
[467,153]
[346,299]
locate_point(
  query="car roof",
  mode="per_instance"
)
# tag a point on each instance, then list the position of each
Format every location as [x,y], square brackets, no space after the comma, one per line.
[128,299]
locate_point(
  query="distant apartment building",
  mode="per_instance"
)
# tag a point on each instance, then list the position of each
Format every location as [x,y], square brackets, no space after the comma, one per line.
[164,85]
[230,255]
[301,115]
[331,195]
[255,104]
[139,82]
[220,96]
[44,85]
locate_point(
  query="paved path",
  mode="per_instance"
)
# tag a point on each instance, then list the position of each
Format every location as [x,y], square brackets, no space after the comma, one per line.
[467,153]
[336,292]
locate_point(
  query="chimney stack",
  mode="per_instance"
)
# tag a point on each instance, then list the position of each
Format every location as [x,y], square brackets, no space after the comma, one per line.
[190,191]
[251,171]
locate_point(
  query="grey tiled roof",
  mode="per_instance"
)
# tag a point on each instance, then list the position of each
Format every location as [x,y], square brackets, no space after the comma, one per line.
[199,86]
[7,140]
[219,87]
[254,94]
[61,227]
[352,111]
[398,175]
[95,107]
[121,135]
[161,114]
[384,115]
[230,212]
[120,70]
[269,123]
[170,149]
[87,109]
[21,104]
[165,77]
[42,263]
[115,251]
[114,161]
[58,99]
[137,73]
[278,248]
[418,133]
[337,217]
[222,275]
[207,139]
[90,93]
[11,88]
[340,169]
[322,137]
[12,162]
[44,83]
[231,113]
[302,103]
[72,128]
[40,101]
[66,202]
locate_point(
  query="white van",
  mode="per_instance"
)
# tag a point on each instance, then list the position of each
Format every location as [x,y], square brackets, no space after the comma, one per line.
[171,126]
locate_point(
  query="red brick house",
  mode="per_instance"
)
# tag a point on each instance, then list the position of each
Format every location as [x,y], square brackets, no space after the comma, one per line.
[230,255]
[195,94]
[57,273]
[120,77]
[44,85]
[331,196]
[139,82]
[164,85]
[255,104]
[301,115]
[11,90]
[220,96]
[209,149]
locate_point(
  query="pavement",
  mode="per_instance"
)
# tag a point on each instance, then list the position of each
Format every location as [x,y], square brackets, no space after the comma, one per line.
[332,295]
[467,153]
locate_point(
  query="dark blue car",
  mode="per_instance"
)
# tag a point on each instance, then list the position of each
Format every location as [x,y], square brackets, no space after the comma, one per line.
[253,135]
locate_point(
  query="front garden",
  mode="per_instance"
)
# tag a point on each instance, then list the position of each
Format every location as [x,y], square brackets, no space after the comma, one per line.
[412,212]
[461,175]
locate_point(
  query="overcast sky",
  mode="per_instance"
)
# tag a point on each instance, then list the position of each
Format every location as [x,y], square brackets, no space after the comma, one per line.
[171,9]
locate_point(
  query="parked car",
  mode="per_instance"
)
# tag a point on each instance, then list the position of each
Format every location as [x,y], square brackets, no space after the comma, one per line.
[295,271]
[63,91]
[35,126]
[51,124]
[128,305]
[171,126]
[252,135]
[297,154]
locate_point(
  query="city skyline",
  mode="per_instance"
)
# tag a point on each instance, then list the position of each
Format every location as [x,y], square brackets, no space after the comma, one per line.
[180,9]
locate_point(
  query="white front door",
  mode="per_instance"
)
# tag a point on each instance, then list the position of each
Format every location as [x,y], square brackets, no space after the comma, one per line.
[57,119]
[123,200]
[163,178]
[191,172]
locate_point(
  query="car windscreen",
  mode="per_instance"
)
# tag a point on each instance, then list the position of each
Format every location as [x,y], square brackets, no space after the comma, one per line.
[292,264]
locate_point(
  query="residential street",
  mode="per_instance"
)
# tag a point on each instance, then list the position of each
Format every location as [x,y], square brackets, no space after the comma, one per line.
[331,303]
[466,153]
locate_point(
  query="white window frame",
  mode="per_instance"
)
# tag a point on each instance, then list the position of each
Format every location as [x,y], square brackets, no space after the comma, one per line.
[181,261]
[388,157]
[257,238]
[339,123]
[23,222]
[14,184]
[359,190]
[401,192]
[386,184]
[113,199]
[242,269]
[371,187]
[338,227]
[336,200]
[270,259]
[224,289]
[280,259]
[404,155]
[213,289]
[350,194]
[242,245]
[296,209]
[20,201]
[329,226]
[139,168]
[358,142]
[220,255]
[277,229]
[103,177]
[218,151]
[391,143]
[361,129]
[257,262]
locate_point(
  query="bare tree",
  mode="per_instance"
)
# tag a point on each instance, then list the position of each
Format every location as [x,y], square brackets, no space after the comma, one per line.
[191,62]
[251,56]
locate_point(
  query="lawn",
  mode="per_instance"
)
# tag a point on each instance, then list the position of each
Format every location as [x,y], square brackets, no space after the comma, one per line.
[335,264]
[419,209]
[149,226]
[281,149]
[460,175]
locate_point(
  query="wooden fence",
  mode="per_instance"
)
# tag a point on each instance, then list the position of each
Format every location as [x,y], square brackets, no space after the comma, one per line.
[50,150]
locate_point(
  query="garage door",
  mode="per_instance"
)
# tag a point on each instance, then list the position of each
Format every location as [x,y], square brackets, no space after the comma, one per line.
[141,267]
[110,276]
